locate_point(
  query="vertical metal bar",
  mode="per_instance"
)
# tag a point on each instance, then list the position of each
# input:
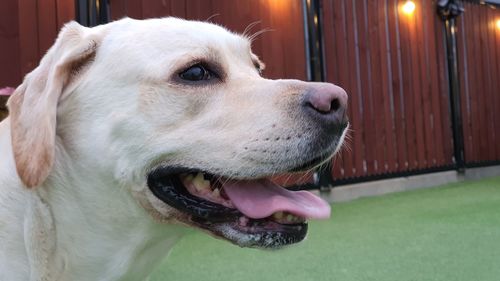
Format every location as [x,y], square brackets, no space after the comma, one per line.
[305,14]
[449,10]
[313,22]
[103,11]
[454,86]
[82,11]
[92,12]
[314,41]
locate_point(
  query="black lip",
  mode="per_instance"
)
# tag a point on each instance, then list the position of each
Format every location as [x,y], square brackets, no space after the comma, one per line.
[310,164]
[165,184]
[263,233]
[315,161]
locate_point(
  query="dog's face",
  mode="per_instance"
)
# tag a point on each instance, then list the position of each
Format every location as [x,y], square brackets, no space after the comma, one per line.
[189,126]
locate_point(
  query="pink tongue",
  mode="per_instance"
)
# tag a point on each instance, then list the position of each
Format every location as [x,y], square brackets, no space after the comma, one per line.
[261,198]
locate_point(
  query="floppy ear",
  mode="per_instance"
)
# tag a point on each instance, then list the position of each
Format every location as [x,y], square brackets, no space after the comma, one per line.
[33,106]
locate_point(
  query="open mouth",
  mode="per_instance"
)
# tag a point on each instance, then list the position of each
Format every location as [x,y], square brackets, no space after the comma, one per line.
[249,213]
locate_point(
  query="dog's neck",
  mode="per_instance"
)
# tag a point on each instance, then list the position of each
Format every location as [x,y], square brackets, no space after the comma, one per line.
[101,233]
[79,225]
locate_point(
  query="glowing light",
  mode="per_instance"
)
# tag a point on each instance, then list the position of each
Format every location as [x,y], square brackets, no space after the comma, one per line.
[409,7]
[498,24]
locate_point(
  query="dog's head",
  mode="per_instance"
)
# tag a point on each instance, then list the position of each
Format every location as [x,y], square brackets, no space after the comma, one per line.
[177,113]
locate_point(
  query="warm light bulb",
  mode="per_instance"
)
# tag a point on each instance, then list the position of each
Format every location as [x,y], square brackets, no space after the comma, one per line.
[409,7]
[498,24]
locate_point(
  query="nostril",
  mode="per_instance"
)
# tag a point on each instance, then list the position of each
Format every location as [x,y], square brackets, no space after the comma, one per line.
[326,108]
[335,105]
[319,109]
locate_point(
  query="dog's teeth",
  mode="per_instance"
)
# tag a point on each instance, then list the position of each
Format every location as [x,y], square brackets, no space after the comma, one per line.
[189,178]
[287,218]
[200,183]
[292,218]
[216,192]
[278,215]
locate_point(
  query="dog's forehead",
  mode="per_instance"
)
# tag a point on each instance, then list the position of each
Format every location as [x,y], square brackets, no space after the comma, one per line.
[174,33]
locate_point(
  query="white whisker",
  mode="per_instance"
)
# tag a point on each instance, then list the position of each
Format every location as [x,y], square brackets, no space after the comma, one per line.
[212,16]
[249,27]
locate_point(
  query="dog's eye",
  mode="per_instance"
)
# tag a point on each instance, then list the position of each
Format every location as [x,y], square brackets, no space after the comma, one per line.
[196,72]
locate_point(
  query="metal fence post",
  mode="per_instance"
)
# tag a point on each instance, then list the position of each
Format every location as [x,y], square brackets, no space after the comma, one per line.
[313,22]
[449,10]
[92,12]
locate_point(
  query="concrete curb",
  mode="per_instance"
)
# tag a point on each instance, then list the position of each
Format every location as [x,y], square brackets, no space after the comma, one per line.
[376,188]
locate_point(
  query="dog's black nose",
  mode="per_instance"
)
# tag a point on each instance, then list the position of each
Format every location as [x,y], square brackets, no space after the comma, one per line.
[327,104]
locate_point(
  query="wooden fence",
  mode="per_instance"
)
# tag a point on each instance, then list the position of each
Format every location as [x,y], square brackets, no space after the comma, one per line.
[27,30]
[479,69]
[393,67]
[392,64]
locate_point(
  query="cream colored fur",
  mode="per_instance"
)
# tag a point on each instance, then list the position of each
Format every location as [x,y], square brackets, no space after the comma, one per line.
[101,110]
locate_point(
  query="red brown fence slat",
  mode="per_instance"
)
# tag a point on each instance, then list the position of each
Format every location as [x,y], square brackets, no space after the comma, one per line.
[354,81]
[391,151]
[416,98]
[472,80]
[407,89]
[481,91]
[396,83]
[28,31]
[492,81]
[494,41]
[10,69]
[331,68]
[436,138]
[65,11]
[488,94]
[425,82]
[47,24]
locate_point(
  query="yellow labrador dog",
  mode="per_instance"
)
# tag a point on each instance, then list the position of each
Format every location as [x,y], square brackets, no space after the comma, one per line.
[127,132]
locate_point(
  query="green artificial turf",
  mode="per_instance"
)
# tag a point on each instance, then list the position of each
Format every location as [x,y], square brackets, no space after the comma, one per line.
[448,233]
